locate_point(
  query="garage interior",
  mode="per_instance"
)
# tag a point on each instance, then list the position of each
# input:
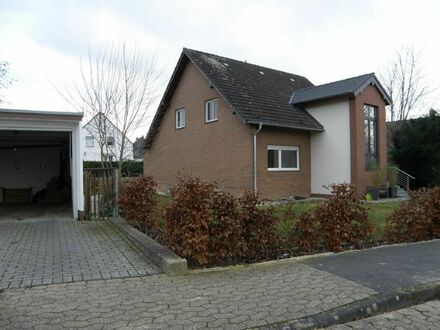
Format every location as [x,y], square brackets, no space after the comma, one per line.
[35,174]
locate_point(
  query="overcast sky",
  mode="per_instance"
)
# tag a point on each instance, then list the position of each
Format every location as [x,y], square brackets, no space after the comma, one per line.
[324,40]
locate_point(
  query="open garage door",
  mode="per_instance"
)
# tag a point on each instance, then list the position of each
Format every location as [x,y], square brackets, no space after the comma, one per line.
[35,174]
[40,164]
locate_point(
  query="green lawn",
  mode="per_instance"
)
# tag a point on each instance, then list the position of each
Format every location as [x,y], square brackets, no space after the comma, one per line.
[377,213]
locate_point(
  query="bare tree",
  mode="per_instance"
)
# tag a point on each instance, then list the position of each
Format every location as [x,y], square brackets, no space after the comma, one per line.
[5,79]
[117,88]
[404,81]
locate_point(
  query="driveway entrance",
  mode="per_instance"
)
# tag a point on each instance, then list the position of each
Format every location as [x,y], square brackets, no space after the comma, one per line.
[47,251]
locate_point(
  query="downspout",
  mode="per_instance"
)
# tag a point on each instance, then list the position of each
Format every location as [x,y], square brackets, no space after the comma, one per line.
[255,156]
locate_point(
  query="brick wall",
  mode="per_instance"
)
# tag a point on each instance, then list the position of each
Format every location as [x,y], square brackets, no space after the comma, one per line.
[220,150]
[277,184]
[360,176]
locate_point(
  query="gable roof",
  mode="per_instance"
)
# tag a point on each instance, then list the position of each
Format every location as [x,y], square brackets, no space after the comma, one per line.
[257,94]
[347,87]
[108,120]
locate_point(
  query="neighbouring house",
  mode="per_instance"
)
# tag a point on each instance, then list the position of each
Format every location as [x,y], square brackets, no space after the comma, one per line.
[100,133]
[251,127]
[138,148]
[40,160]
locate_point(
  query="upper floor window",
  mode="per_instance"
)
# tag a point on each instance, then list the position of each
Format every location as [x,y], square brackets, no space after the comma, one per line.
[110,141]
[370,128]
[211,110]
[90,141]
[180,118]
[282,158]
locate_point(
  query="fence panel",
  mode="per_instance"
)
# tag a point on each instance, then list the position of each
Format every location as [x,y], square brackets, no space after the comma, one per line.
[100,193]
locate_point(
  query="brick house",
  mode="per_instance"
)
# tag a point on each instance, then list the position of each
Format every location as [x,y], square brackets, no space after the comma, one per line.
[251,127]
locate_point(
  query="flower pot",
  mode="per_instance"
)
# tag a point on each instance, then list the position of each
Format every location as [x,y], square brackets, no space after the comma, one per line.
[392,192]
[374,192]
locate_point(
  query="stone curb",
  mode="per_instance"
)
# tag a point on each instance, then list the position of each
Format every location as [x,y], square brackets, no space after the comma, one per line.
[160,255]
[373,305]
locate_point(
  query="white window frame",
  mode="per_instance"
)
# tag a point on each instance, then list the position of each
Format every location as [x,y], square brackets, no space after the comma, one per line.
[182,124]
[90,141]
[279,149]
[207,103]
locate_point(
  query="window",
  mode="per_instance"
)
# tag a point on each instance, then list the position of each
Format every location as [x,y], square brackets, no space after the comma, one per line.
[280,158]
[211,110]
[110,141]
[370,128]
[180,118]
[90,141]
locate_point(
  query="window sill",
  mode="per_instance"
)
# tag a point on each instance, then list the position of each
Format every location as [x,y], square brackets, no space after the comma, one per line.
[210,121]
[283,169]
[180,127]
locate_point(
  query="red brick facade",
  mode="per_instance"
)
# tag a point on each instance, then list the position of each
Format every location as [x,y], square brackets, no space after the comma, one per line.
[222,151]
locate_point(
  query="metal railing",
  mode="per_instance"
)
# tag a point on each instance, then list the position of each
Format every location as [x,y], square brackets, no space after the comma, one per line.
[402,178]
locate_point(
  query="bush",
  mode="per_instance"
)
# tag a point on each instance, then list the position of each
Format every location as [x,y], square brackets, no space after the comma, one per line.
[225,239]
[130,168]
[417,219]
[138,203]
[258,228]
[306,235]
[188,217]
[343,218]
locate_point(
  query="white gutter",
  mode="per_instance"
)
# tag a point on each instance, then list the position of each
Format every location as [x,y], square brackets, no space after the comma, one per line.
[255,155]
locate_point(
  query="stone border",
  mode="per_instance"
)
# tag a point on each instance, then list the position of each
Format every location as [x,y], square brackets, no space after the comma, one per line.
[373,305]
[160,255]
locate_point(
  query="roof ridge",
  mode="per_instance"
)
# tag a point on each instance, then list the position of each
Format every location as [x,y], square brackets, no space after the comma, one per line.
[244,62]
[336,81]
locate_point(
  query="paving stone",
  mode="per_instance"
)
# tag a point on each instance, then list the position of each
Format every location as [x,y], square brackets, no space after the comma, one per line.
[39,252]
[197,300]
[424,316]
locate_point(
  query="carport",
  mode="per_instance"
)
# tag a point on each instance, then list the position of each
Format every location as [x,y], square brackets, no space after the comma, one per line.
[40,161]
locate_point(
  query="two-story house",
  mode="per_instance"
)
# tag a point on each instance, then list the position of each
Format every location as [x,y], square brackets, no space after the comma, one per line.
[251,127]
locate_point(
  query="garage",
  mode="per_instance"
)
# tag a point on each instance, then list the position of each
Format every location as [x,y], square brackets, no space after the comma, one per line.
[40,164]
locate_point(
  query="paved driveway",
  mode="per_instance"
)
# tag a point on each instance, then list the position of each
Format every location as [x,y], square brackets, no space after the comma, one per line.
[36,252]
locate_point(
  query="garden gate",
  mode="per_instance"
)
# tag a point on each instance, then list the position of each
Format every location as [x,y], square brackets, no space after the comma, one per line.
[100,193]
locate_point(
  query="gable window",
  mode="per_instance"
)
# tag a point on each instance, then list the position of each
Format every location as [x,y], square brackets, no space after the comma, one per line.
[90,141]
[282,158]
[110,140]
[211,110]
[370,128]
[180,118]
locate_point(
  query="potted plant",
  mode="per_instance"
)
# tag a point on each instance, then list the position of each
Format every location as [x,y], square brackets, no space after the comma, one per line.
[392,180]
[378,177]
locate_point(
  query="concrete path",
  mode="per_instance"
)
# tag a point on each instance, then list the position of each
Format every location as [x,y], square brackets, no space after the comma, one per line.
[236,298]
[419,317]
[36,252]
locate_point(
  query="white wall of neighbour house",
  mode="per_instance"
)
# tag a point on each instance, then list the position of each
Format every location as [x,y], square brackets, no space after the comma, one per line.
[330,150]
[93,153]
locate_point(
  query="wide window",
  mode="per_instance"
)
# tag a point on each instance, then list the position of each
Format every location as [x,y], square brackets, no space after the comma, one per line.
[282,158]
[370,128]
[180,118]
[90,141]
[211,110]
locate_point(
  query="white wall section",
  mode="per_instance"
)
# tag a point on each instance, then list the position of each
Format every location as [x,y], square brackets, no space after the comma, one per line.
[330,149]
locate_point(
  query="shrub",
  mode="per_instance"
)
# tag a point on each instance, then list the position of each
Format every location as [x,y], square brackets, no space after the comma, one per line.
[306,234]
[417,219]
[258,227]
[225,239]
[138,203]
[434,201]
[343,218]
[188,217]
